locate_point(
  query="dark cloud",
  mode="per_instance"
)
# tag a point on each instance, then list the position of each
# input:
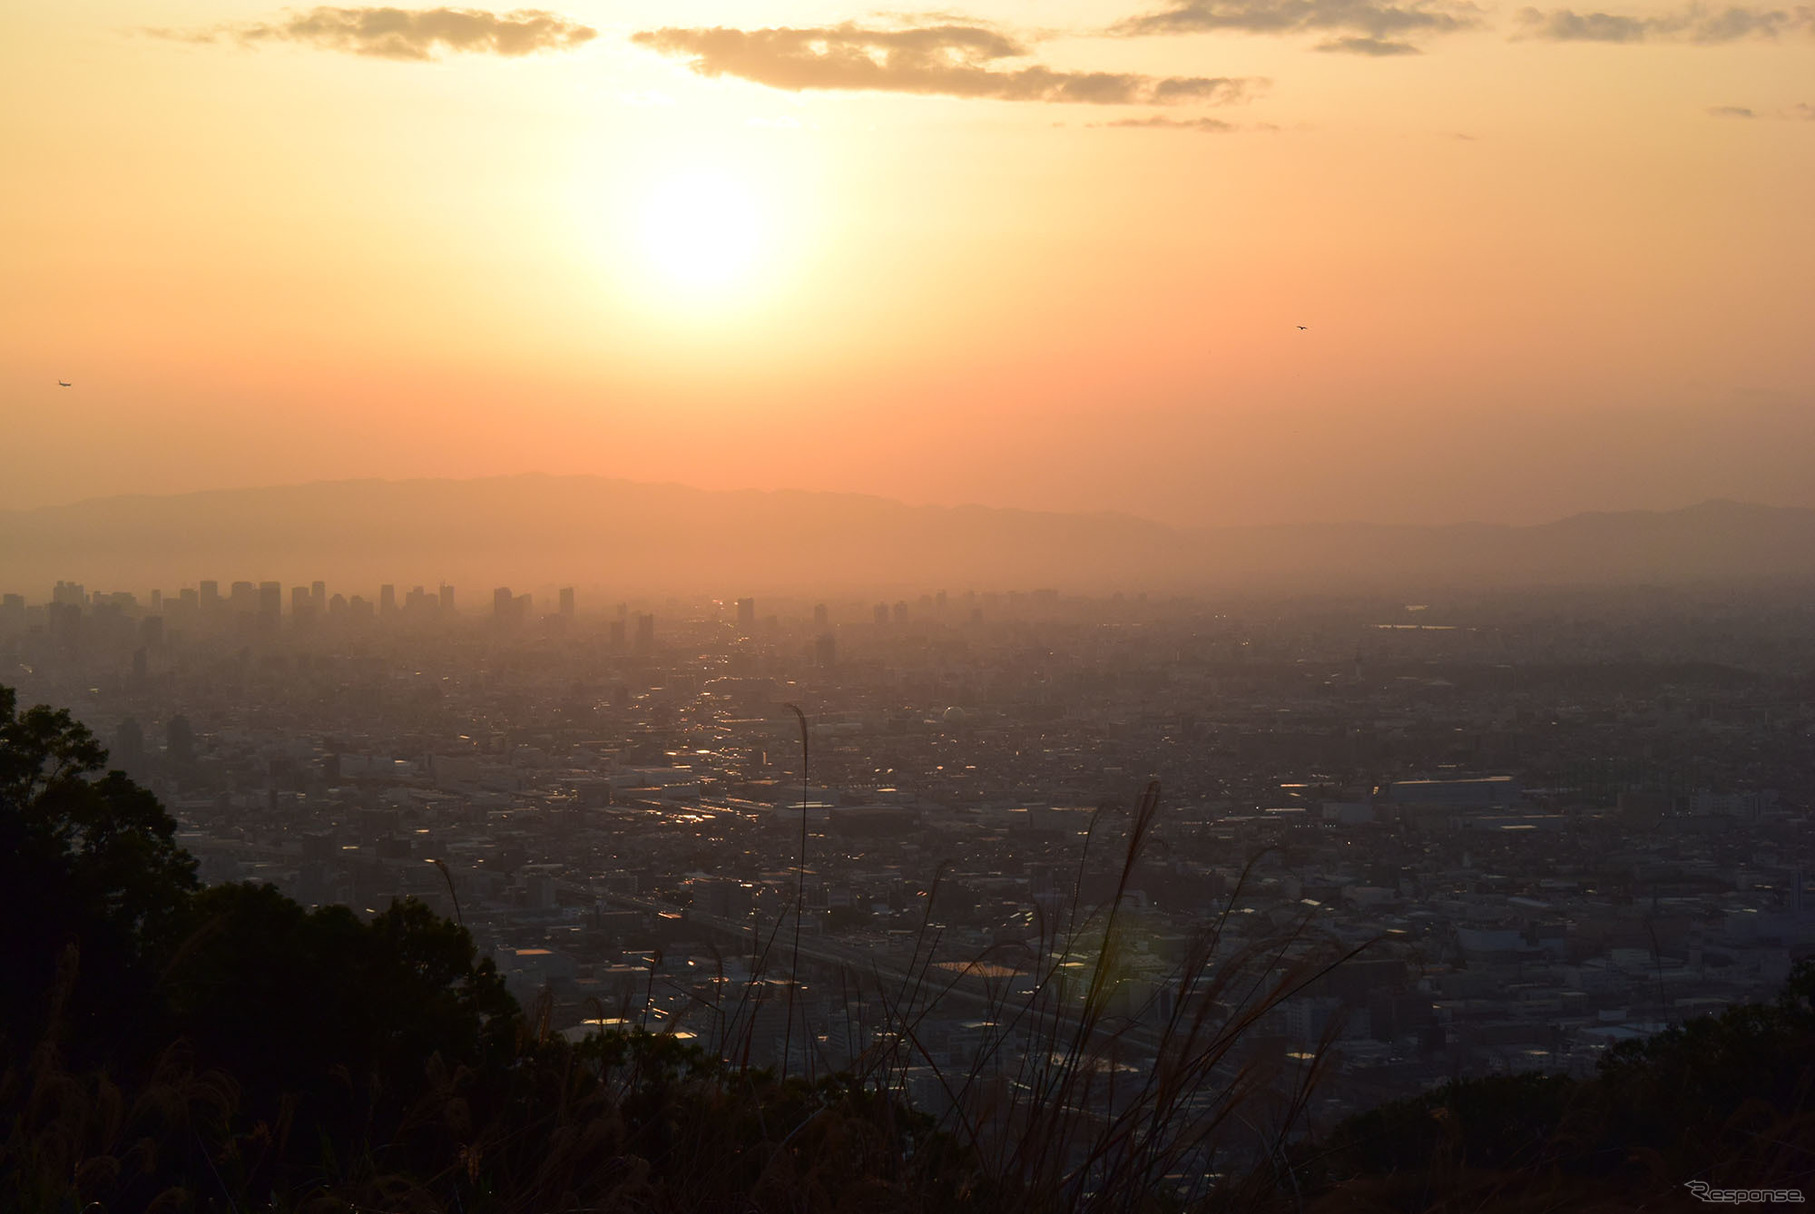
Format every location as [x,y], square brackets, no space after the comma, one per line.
[1203,126]
[943,60]
[1730,111]
[1378,47]
[1372,24]
[1694,24]
[1733,24]
[412,34]
[1212,90]
[1566,26]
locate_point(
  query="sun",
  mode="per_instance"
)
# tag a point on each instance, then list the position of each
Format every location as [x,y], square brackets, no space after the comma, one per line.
[680,228]
[703,229]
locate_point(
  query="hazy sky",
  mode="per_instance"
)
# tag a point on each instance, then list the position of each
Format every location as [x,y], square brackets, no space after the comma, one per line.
[1050,255]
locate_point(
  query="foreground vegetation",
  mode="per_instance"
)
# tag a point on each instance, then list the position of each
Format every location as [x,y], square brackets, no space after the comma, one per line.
[170,1048]
[1728,1101]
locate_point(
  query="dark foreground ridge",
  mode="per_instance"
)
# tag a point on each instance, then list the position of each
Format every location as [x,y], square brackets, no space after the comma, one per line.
[534,529]
[169,1047]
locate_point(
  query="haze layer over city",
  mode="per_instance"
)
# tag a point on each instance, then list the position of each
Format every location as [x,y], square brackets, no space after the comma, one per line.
[1117,597]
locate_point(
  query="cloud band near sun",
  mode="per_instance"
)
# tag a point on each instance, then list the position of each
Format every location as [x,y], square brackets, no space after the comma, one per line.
[1359,27]
[943,60]
[408,34]
[1698,24]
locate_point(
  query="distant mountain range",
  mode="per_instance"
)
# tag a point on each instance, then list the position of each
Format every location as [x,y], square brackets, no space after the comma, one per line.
[536,531]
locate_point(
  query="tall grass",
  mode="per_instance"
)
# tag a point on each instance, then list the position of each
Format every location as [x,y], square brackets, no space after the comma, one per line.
[1072,1095]
[1076,1100]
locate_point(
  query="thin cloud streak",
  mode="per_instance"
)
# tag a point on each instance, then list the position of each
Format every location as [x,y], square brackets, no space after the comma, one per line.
[1707,27]
[411,35]
[1376,27]
[940,60]
[1203,126]
[1379,48]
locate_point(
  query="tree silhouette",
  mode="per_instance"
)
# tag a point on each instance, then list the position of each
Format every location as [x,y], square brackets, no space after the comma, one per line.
[90,874]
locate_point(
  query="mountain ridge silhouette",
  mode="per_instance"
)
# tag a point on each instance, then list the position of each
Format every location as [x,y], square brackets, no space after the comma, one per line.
[536,529]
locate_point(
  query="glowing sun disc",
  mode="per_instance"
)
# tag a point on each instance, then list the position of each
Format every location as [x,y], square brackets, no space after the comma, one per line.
[702,229]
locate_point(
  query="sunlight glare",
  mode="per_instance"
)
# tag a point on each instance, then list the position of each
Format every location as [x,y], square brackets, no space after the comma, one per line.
[702,229]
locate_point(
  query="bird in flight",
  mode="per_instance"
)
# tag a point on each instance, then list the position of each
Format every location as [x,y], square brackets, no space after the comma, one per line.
[1302,328]
[63,383]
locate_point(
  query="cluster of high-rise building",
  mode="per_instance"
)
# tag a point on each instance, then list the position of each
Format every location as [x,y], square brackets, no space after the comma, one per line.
[246,606]
[73,615]
[259,607]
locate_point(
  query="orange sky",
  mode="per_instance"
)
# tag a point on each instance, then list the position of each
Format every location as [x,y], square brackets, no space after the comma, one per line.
[1549,261]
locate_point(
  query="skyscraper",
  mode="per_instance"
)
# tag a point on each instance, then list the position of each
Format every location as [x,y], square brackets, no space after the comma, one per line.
[567,602]
[179,740]
[270,605]
[128,745]
[746,614]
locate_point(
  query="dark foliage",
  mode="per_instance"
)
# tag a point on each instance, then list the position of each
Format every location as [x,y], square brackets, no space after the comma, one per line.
[89,862]
[372,1000]
[1728,1100]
